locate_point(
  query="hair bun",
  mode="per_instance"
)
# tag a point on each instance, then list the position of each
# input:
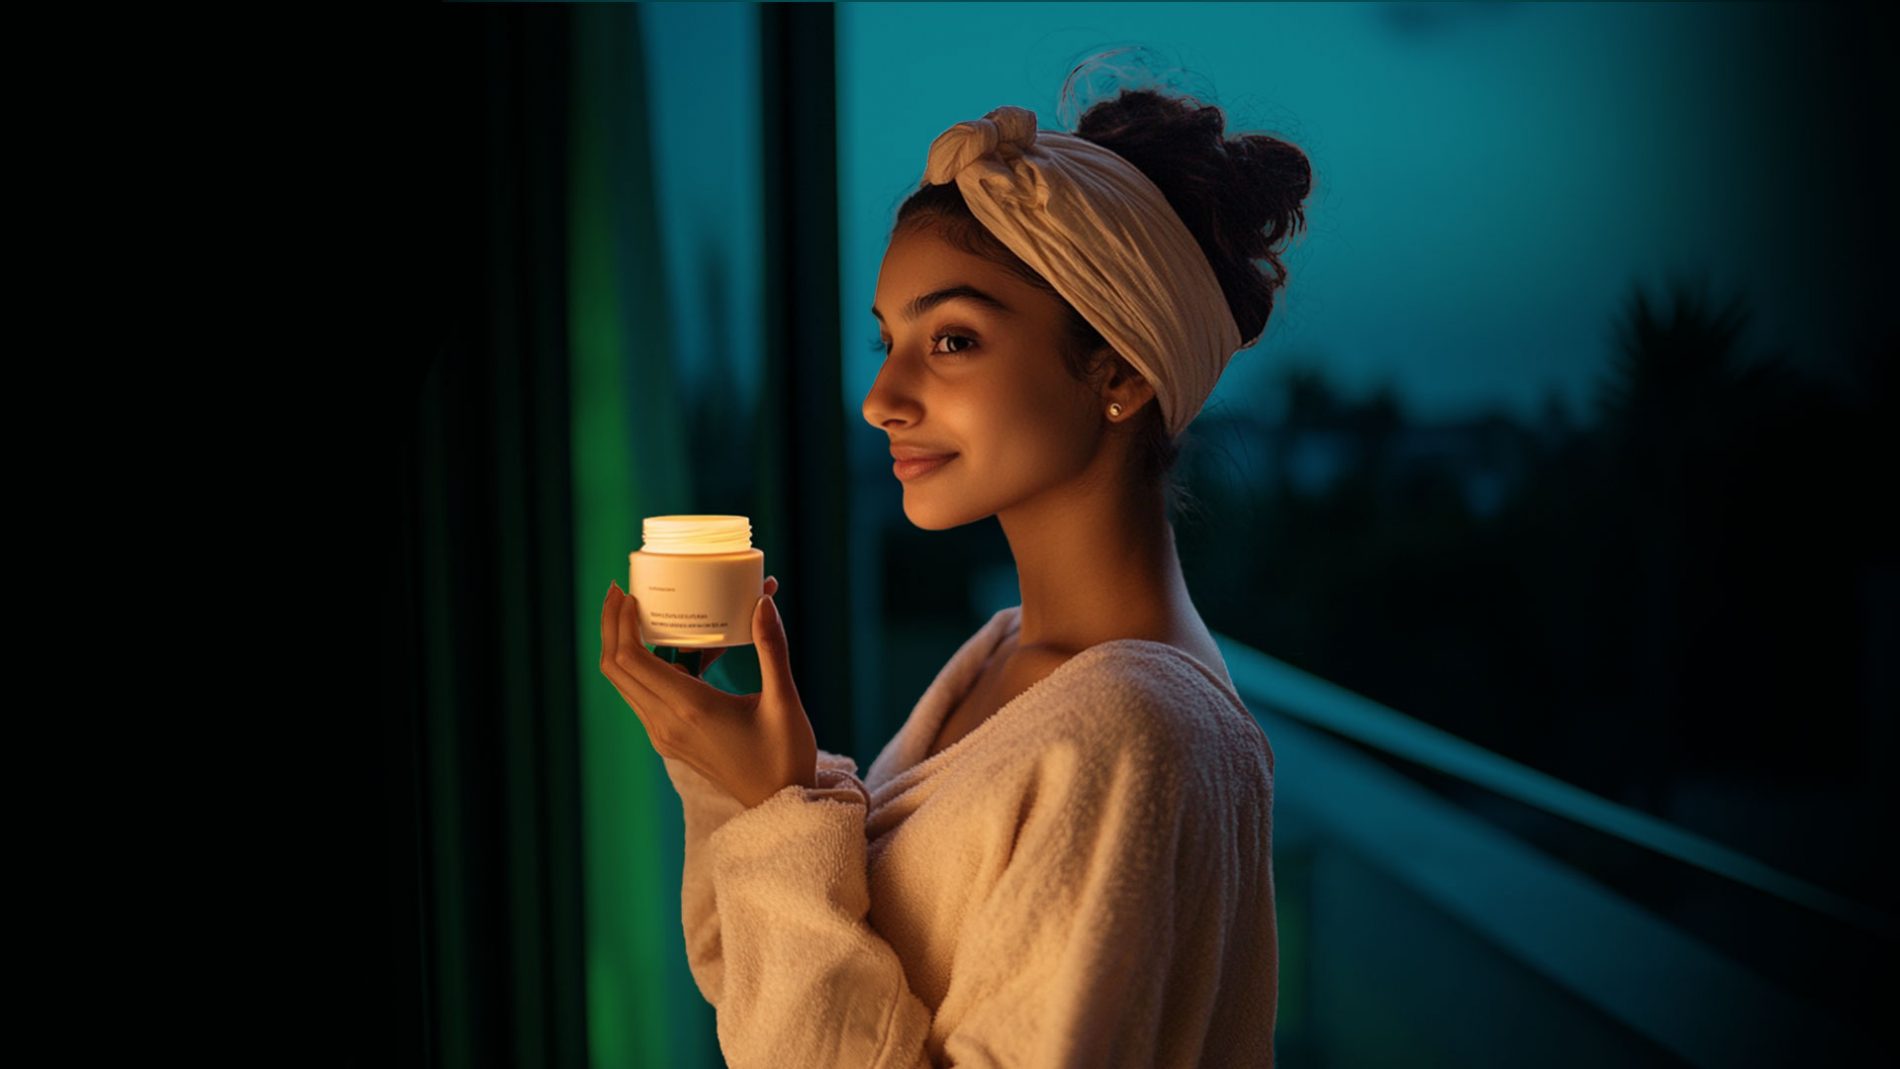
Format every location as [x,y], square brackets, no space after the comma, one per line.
[1240,196]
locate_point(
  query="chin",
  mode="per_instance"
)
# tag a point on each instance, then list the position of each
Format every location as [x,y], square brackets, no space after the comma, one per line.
[930,519]
[928,516]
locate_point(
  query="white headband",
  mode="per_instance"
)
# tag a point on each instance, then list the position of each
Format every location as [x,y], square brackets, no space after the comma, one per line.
[1106,238]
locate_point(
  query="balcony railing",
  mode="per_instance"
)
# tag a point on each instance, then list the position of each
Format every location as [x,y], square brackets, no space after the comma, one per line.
[1416,932]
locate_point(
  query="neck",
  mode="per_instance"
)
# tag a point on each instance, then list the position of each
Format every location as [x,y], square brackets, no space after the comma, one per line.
[1095,566]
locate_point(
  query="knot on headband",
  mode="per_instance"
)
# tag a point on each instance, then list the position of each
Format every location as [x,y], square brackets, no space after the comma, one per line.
[1006,131]
[1106,238]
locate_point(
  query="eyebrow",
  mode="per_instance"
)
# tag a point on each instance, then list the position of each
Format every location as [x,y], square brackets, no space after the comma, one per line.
[961,291]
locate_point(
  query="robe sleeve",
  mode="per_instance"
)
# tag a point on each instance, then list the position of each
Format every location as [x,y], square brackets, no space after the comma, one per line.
[706,807]
[1064,962]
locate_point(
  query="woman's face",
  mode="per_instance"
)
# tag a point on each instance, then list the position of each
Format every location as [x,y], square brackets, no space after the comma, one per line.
[985,383]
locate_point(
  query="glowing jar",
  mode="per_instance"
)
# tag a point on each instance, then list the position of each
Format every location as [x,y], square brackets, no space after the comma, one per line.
[697,579]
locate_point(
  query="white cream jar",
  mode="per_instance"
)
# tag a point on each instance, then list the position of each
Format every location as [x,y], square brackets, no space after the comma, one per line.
[697,579]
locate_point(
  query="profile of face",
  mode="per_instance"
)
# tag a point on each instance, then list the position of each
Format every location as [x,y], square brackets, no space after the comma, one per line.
[973,367]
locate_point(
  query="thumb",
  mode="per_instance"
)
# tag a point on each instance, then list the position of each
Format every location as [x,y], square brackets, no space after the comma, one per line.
[768,634]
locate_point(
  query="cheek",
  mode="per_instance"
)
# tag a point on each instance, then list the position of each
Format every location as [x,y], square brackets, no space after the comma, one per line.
[1031,434]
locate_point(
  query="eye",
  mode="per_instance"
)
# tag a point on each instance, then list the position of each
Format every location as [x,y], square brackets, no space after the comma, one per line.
[947,335]
[878,345]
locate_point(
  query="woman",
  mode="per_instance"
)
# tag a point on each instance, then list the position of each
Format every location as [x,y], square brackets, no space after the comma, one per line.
[1064,855]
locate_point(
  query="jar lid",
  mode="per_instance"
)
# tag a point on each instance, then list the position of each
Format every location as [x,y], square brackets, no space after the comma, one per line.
[695,534]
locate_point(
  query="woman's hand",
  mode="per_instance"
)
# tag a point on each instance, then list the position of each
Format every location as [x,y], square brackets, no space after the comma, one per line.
[751,745]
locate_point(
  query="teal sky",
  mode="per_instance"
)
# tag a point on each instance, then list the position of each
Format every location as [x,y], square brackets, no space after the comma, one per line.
[1491,179]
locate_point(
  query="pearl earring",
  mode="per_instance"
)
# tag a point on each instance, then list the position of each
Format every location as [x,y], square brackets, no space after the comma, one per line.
[1115,409]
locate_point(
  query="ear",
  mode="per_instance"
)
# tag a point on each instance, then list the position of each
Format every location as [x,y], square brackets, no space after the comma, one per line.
[1127,387]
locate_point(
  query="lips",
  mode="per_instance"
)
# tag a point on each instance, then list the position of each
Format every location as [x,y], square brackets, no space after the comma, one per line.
[911,469]
[918,452]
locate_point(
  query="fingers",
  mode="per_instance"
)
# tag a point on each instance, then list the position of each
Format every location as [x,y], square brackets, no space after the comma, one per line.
[609,623]
[621,662]
[677,699]
[630,652]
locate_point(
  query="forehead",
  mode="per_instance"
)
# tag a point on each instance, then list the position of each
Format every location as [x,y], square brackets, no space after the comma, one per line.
[921,262]
[926,252]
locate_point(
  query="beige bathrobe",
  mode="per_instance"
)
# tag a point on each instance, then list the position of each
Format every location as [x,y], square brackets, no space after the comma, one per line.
[1083,880]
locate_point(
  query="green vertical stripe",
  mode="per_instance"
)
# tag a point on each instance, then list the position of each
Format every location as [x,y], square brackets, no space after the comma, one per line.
[628,462]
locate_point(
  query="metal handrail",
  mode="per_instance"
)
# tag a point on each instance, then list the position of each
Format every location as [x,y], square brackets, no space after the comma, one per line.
[1605,950]
[1312,700]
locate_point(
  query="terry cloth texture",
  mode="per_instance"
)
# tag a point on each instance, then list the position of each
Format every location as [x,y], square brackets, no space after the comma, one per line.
[1085,879]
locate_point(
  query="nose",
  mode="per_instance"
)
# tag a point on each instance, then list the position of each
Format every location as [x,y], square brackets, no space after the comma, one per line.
[889,403]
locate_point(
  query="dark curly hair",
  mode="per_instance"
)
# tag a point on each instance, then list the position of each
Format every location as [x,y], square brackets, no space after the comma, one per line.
[1240,197]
